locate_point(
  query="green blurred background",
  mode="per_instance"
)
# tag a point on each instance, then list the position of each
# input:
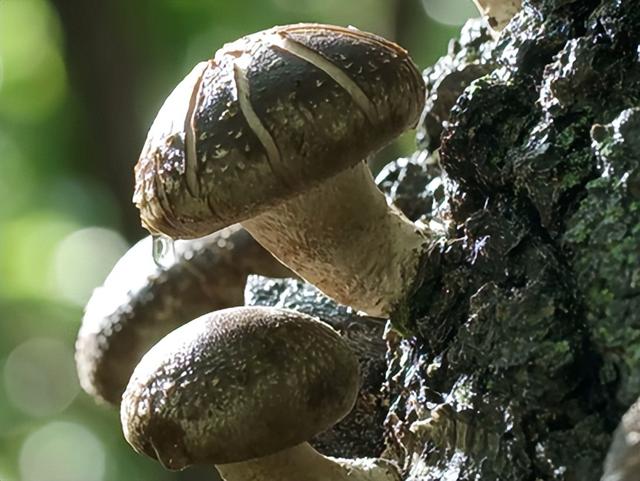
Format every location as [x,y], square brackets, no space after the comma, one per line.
[80,82]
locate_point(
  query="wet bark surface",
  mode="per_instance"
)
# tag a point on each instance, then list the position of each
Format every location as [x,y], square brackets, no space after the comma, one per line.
[525,340]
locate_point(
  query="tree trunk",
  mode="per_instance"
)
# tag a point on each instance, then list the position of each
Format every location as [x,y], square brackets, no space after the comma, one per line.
[526,331]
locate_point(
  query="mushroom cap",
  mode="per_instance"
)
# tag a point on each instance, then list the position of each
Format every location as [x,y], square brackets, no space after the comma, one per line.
[238,384]
[272,115]
[139,302]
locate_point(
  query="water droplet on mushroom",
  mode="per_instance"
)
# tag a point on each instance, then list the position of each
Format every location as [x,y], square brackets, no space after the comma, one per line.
[163,251]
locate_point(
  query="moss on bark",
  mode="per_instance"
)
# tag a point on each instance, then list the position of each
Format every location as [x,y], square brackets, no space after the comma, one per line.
[527,328]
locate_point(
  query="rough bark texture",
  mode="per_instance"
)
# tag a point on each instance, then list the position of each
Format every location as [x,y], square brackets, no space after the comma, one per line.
[527,326]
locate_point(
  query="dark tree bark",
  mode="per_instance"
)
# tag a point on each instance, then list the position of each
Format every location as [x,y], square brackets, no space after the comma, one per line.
[526,330]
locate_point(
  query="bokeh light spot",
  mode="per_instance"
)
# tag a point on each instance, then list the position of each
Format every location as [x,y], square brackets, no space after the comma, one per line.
[40,377]
[17,178]
[82,261]
[4,471]
[62,451]
[83,199]
[26,248]
[450,12]
[34,79]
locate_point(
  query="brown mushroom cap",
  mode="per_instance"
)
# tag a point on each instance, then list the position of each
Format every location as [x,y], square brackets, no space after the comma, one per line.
[273,114]
[238,384]
[139,302]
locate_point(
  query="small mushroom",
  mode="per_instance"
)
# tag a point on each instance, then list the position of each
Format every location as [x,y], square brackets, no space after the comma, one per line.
[244,389]
[361,433]
[139,302]
[498,13]
[623,460]
[272,133]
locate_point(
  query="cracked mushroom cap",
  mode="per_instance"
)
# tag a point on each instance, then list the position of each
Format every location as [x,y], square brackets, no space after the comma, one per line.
[238,384]
[271,115]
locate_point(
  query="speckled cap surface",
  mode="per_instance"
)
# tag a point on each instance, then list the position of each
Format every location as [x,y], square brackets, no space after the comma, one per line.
[238,384]
[270,116]
[140,302]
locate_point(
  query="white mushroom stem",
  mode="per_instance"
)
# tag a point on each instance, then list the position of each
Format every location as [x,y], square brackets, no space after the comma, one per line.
[343,237]
[497,13]
[303,463]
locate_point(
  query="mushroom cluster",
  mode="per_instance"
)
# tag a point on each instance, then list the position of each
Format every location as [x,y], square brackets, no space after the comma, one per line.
[272,133]
[244,389]
[140,302]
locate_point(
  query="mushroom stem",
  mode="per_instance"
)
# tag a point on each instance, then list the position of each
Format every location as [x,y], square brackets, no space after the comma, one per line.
[343,237]
[498,13]
[303,463]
